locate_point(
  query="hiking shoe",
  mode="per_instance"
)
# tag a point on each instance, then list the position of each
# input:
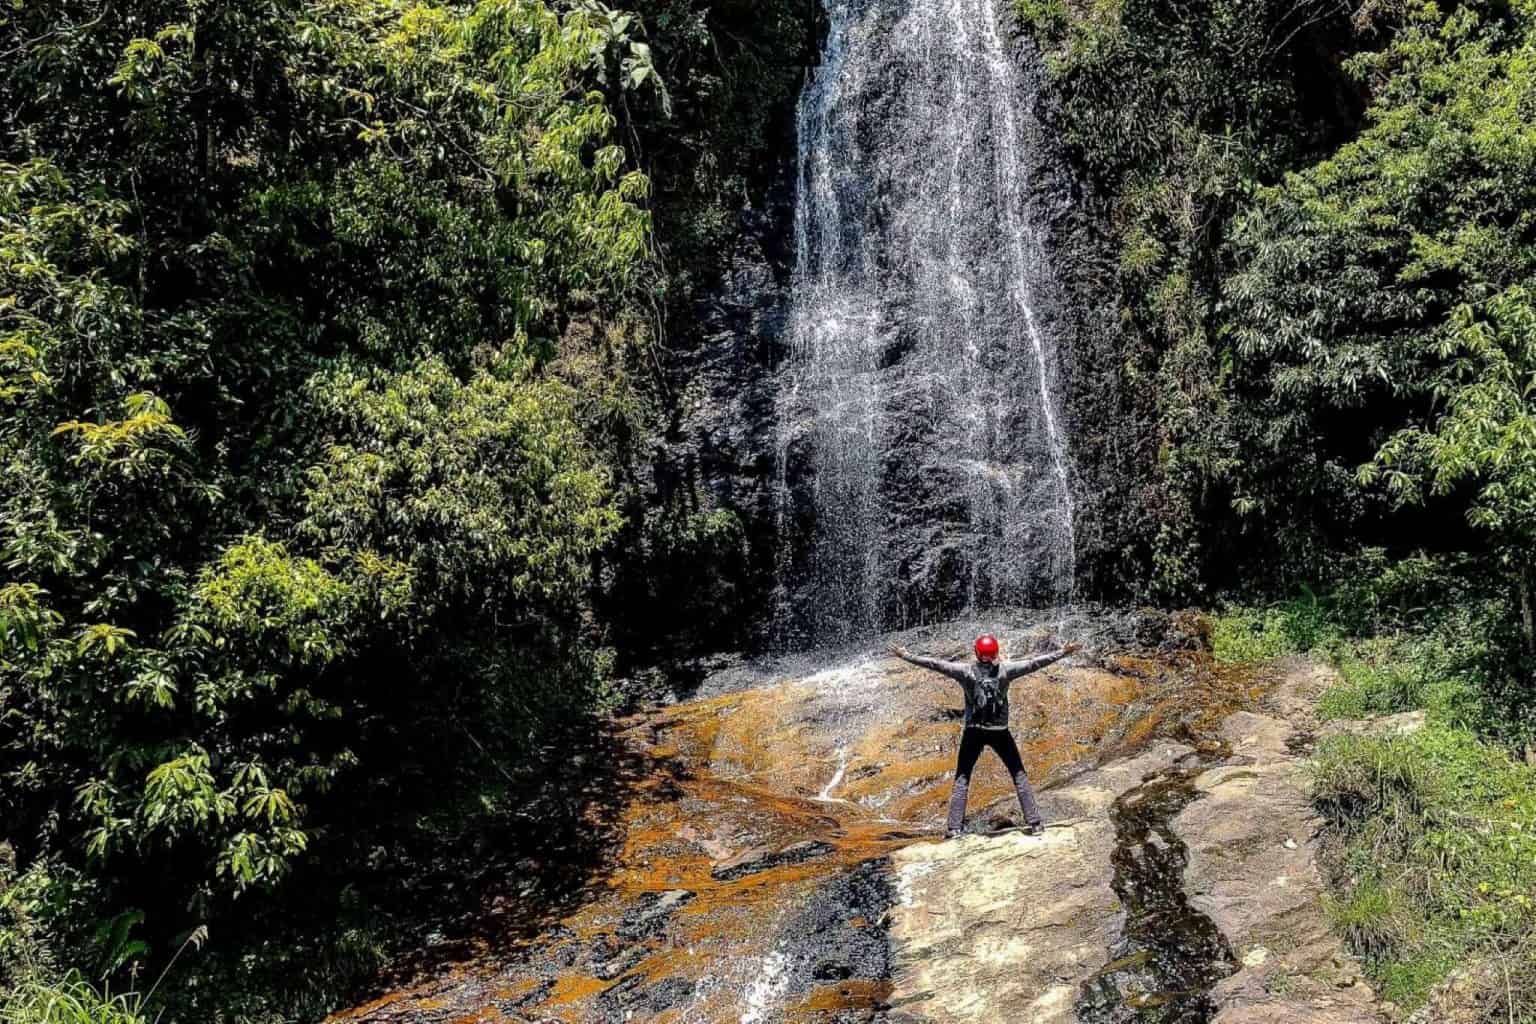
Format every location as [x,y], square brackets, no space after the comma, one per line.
[953,833]
[1035,828]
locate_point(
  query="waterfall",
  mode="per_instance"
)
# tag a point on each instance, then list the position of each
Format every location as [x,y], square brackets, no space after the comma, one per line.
[919,404]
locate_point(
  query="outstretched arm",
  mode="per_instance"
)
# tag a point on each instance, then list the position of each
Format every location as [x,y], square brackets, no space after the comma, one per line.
[953,669]
[1012,670]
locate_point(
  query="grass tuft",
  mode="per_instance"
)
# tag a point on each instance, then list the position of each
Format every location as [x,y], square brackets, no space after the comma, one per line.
[70,1001]
[1434,839]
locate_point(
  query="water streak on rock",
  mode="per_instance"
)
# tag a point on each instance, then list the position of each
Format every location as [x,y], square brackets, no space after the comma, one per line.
[1169,955]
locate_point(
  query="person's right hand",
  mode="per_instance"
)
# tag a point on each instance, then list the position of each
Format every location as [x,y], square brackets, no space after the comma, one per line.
[898,650]
[1072,648]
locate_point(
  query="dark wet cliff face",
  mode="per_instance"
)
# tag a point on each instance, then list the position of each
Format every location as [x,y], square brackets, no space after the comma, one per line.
[944,517]
[696,556]
[1110,418]
[717,452]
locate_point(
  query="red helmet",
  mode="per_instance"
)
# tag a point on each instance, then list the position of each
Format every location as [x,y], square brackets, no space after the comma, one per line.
[986,647]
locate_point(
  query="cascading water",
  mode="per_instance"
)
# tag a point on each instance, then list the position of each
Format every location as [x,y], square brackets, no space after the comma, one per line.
[919,402]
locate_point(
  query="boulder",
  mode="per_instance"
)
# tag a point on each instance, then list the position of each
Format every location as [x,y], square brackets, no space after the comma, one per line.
[1403,724]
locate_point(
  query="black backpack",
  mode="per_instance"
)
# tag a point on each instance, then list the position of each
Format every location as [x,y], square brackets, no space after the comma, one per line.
[989,697]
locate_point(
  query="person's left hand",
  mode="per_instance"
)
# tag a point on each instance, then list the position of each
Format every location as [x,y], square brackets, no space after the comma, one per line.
[1072,648]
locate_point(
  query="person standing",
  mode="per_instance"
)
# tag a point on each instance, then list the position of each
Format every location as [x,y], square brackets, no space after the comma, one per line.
[985,682]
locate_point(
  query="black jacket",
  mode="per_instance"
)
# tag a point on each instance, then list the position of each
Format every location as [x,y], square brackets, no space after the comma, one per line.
[986,684]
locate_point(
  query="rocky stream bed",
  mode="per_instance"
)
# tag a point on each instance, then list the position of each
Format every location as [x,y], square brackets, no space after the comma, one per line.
[776,854]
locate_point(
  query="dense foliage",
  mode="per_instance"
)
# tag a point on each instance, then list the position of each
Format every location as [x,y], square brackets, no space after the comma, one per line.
[302,492]
[1321,218]
[1387,286]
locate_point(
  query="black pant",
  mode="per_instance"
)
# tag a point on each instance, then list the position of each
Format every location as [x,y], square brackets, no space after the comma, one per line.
[972,740]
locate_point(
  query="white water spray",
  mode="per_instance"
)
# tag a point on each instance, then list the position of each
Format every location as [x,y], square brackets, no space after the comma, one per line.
[921,392]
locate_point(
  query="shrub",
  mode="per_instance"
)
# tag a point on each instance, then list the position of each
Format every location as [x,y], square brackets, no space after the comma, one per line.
[1370,685]
[1245,635]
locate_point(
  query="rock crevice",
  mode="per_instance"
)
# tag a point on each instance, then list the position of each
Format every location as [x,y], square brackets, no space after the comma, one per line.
[1253,869]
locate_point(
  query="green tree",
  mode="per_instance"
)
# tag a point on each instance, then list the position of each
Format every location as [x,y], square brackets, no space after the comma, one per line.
[1482,436]
[1380,307]
[293,486]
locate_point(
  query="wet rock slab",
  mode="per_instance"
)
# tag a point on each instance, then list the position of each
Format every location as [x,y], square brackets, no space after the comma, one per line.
[1008,927]
[775,856]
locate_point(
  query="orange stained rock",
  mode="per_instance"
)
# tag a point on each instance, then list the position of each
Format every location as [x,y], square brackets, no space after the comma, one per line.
[484,1015]
[826,1003]
[859,757]
[573,988]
